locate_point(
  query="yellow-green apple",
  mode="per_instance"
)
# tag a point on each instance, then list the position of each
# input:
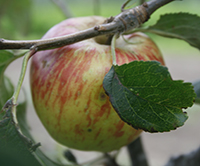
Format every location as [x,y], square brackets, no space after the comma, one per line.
[67,90]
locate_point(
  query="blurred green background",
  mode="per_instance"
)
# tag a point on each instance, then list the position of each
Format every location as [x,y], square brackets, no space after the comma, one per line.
[30,19]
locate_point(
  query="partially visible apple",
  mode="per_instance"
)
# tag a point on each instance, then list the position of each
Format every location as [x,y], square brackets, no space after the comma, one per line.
[67,91]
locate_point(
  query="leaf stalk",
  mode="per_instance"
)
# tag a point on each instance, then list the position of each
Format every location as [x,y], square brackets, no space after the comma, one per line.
[22,75]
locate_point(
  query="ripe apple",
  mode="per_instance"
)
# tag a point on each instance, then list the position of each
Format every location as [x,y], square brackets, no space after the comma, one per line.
[67,91]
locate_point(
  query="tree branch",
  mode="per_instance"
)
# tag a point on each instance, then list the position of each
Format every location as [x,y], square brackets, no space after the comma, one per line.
[125,21]
[109,161]
[191,159]
[136,153]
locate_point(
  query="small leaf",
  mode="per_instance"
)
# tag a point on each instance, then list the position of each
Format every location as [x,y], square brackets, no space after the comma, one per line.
[197,91]
[6,87]
[182,26]
[6,57]
[145,96]
[6,91]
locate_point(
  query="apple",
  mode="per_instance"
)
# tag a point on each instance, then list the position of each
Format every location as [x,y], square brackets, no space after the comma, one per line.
[67,90]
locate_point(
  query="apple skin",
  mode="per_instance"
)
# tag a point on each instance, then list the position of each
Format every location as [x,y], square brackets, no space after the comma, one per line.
[67,91]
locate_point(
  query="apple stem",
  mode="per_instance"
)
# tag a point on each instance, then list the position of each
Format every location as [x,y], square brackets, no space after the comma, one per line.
[113,43]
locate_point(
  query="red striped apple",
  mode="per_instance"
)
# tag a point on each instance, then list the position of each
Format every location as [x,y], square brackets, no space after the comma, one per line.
[67,91]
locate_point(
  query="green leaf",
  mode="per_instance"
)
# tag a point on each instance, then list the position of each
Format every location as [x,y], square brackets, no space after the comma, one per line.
[6,91]
[24,127]
[15,148]
[145,96]
[182,26]
[6,87]
[197,91]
